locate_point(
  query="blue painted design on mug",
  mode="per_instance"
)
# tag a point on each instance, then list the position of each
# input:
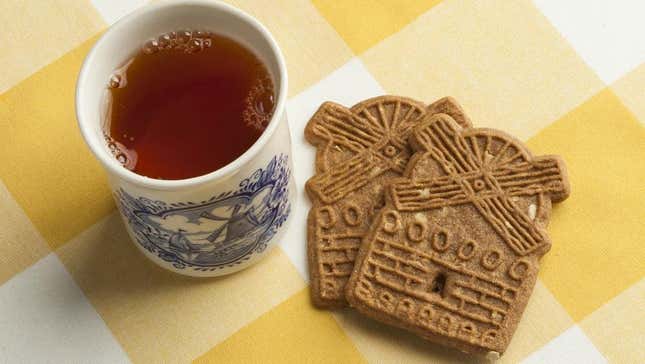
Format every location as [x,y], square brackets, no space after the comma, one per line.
[220,232]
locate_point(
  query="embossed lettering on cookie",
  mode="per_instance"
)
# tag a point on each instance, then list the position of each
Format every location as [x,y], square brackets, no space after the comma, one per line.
[453,256]
[359,151]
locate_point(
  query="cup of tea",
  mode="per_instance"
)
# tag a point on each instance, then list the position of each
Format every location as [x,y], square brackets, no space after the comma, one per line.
[183,103]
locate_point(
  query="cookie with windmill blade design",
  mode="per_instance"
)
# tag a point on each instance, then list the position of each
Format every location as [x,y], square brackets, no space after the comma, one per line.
[454,254]
[358,151]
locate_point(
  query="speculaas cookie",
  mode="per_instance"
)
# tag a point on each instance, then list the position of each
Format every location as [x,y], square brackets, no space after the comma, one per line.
[358,151]
[453,256]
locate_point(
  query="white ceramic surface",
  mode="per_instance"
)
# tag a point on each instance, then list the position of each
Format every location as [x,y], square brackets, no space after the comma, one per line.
[213,224]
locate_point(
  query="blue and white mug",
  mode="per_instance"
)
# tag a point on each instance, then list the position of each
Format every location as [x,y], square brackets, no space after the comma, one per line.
[208,225]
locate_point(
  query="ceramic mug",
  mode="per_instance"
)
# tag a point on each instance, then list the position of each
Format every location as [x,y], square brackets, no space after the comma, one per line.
[212,224]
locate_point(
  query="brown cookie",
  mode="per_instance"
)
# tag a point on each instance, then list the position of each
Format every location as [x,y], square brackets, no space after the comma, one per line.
[453,256]
[359,151]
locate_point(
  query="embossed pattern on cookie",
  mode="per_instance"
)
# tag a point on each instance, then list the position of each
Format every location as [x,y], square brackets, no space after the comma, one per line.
[453,256]
[359,150]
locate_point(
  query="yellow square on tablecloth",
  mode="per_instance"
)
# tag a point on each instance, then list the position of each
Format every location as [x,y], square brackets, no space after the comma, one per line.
[598,232]
[43,160]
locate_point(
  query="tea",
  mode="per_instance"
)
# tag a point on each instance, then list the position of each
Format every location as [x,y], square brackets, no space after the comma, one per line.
[187,104]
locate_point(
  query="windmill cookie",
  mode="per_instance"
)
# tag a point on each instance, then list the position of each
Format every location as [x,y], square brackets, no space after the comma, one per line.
[359,151]
[453,256]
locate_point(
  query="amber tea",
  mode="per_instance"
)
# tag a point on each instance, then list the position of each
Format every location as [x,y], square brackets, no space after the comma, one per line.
[187,104]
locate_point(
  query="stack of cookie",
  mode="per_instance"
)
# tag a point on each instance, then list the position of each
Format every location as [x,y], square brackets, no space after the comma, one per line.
[423,222]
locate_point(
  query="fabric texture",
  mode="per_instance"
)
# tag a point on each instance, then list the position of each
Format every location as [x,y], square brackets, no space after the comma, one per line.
[567,78]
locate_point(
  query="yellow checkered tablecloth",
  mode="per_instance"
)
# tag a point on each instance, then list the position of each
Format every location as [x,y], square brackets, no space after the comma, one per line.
[566,77]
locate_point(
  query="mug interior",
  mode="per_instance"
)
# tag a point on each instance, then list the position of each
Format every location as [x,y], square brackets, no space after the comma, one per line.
[125,38]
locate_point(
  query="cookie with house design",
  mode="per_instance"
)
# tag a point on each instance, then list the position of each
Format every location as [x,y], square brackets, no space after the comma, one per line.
[454,254]
[359,149]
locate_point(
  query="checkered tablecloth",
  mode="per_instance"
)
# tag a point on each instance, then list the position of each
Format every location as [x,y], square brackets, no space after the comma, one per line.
[567,77]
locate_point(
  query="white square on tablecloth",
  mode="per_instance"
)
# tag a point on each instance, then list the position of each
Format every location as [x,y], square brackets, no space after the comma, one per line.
[608,35]
[44,317]
[113,10]
[572,346]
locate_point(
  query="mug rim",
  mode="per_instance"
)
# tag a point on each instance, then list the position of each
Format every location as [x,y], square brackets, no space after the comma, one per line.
[112,165]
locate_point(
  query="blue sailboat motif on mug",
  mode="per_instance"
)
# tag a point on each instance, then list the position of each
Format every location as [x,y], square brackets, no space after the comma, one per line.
[220,232]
